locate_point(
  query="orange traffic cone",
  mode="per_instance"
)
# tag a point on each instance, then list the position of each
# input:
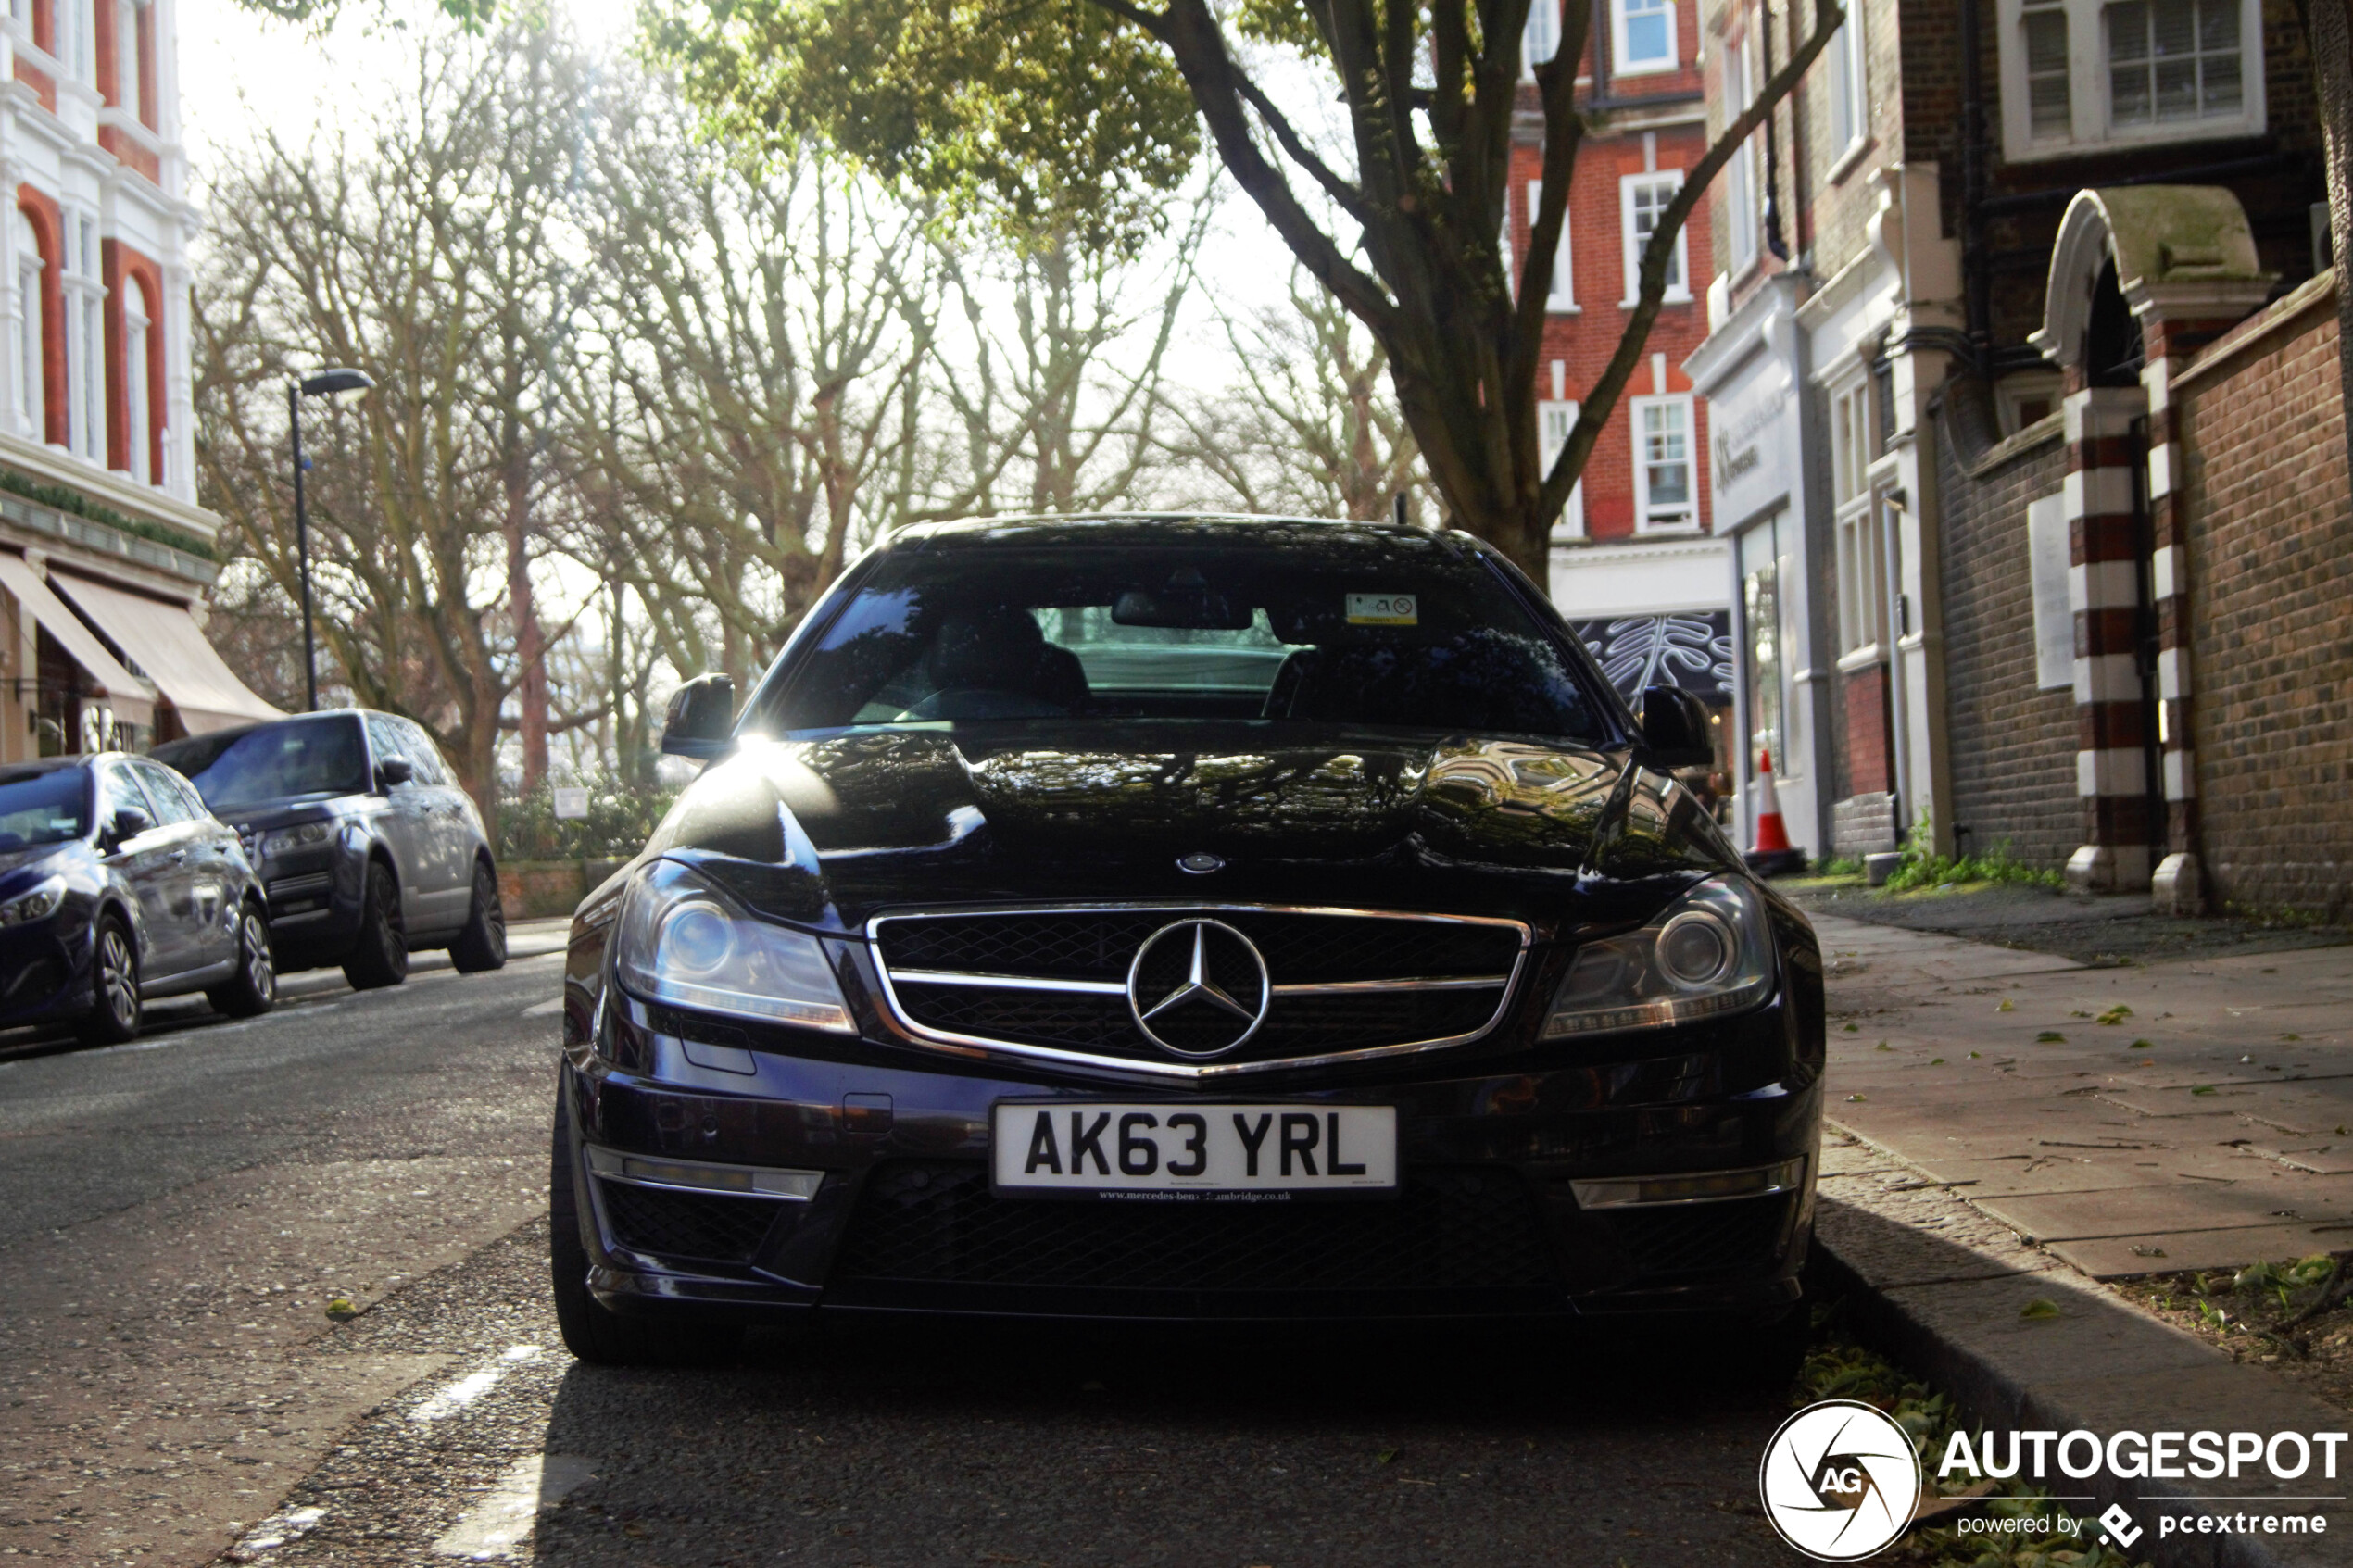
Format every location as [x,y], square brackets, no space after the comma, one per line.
[1773,854]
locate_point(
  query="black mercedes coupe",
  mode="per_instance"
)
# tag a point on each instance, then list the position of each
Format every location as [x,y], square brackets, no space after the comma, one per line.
[1183,918]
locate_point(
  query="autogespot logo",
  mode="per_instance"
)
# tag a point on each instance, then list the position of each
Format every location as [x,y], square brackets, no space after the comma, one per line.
[1840,1480]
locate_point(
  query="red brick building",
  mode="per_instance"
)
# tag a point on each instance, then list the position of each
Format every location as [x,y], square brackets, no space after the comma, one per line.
[1634,561]
[104,554]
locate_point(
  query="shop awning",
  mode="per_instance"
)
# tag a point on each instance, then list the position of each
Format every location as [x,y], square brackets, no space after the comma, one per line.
[1692,649]
[132,700]
[164,641]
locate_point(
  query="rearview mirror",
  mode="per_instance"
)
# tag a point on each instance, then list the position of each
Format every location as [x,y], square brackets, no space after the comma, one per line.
[394,771]
[1195,609]
[1674,730]
[702,718]
[128,821]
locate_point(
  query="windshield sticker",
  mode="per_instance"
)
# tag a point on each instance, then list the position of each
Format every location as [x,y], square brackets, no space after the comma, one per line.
[1381,609]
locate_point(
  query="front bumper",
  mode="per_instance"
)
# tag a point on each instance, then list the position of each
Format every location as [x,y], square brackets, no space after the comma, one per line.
[44,968]
[1488,1222]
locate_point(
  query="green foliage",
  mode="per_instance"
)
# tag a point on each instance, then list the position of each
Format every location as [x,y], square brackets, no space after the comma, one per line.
[74,501]
[621,818]
[1923,867]
[1053,118]
[321,14]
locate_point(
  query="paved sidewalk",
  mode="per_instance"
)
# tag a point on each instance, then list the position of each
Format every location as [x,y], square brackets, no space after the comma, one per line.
[2226,1138]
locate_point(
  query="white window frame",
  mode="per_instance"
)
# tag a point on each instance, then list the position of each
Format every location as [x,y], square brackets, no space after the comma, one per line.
[1561,298]
[1676,293]
[2090,122]
[1850,88]
[1861,547]
[126,50]
[32,392]
[1540,38]
[2021,387]
[136,411]
[1555,419]
[1741,201]
[1621,57]
[1686,519]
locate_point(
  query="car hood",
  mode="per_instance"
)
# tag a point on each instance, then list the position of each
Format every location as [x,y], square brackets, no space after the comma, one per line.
[264,815]
[19,868]
[830,832]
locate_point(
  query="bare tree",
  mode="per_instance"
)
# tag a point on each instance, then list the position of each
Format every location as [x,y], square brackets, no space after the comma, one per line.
[1309,425]
[424,251]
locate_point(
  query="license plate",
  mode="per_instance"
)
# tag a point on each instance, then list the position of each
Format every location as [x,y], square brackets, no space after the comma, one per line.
[1165,1153]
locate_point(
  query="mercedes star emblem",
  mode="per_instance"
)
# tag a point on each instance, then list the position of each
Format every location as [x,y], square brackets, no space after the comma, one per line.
[1198,988]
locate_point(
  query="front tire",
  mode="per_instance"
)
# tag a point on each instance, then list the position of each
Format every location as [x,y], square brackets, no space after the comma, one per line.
[114,983]
[483,944]
[381,956]
[592,1332]
[254,989]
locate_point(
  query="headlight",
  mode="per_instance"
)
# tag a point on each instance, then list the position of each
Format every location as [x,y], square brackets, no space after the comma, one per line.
[296,838]
[1710,952]
[681,943]
[38,904]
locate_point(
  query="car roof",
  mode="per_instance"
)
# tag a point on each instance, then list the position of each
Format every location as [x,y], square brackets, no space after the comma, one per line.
[1169,528]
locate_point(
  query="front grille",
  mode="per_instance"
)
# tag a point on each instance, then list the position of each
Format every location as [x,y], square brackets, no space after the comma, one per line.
[1738,1235]
[1449,1229]
[690,1225]
[1078,964]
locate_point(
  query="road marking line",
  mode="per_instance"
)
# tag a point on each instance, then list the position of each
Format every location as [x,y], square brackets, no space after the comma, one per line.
[447,1402]
[541,1010]
[503,1521]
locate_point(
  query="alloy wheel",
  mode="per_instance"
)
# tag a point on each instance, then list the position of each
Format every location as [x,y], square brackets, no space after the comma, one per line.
[261,972]
[114,977]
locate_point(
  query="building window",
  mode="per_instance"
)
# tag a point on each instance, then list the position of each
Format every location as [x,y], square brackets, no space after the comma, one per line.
[1563,292]
[1664,493]
[1555,419]
[1740,175]
[2084,73]
[1541,40]
[1642,201]
[1643,36]
[1862,559]
[2173,60]
[25,320]
[78,48]
[2026,398]
[126,57]
[1850,98]
[134,383]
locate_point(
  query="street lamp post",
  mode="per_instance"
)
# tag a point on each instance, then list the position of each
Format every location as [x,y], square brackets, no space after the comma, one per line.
[326,383]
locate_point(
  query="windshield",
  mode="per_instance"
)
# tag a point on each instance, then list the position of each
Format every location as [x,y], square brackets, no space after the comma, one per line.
[52,807]
[322,756]
[1397,634]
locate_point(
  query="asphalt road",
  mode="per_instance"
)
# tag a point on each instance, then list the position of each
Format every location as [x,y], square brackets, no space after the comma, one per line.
[180,1212]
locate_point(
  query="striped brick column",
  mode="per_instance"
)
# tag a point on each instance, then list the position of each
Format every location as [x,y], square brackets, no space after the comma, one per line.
[2104,590]
[2176,322]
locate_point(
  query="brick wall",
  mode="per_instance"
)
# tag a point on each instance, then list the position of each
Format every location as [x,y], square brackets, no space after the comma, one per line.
[2012,747]
[1583,342]
[2271,578]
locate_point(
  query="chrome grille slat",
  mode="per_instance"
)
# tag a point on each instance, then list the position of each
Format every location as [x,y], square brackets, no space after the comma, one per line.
[1346,984]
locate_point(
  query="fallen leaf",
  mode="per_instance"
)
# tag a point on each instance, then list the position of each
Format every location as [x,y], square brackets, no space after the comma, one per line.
[1852,1099]
[1384,1456]
[2291,1036]
[2116,1015]
[1885,1046]
[342,1310]
[2050,1037]
[1936,1061]
[2141,1046]
[2006,1006]
[1854,1028]
[1974,1055]
[2201,1088]
[2041,1307]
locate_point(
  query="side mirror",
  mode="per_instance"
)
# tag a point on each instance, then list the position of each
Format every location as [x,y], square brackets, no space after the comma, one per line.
[129,823]
[702,718]
[1674,730]
[394,771]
